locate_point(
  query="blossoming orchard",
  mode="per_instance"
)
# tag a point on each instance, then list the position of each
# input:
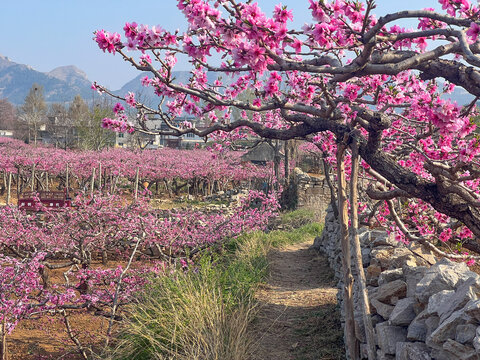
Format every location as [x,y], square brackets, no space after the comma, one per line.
[107,247]
[355,84]
[365,94]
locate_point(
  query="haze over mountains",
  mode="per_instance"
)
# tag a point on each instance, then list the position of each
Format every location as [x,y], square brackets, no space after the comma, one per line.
[63,83]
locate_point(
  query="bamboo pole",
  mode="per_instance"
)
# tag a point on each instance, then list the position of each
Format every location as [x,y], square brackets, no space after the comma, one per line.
[357,258]
[18,183]
[67,182]
[5,178]
[351,342]
[136,183]
[92,183]
[9,186]
[100,176]
[32,185]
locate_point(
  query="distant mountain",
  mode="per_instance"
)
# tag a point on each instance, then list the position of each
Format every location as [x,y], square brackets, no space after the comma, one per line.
[63,83]
[71,75]
[60,84]
[147,95]
[460,95]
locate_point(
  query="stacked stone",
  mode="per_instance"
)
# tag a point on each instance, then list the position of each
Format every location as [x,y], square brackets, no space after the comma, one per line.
[422,308]
[312,192]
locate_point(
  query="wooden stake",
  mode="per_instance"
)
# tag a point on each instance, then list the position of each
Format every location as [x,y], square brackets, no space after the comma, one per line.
[18,183]
[32,185]
[136,184]
[367,319]
[9,185]
[100,176]
[67,182]
[351,342]
[92,183]
[5,178]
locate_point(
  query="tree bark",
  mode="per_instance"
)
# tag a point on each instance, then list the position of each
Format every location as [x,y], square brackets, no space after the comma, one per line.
[3,348]
[367,319]
[351,342]
[287,163]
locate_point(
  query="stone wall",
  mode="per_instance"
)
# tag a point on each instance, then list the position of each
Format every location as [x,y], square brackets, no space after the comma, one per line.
[311,192]
[423,308]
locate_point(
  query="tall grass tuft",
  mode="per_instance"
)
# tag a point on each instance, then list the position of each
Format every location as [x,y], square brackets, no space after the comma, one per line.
[204,312]
[187,317]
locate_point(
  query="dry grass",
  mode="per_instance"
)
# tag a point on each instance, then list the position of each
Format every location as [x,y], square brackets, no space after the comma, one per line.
[204,313]
[186,319]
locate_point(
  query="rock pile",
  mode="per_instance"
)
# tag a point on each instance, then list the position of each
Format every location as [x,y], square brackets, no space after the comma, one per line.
[422,308]
[311,192]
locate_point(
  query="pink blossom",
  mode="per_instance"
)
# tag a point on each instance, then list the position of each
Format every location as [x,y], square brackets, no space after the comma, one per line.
[473,31]
[130,99]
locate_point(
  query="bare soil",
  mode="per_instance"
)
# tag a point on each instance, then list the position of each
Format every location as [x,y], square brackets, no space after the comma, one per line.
[298,316]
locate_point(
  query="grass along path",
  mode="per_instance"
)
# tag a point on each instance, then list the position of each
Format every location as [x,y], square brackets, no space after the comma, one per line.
[298,316]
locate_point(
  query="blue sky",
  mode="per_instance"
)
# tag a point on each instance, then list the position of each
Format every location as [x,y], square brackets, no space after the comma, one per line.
[51,33]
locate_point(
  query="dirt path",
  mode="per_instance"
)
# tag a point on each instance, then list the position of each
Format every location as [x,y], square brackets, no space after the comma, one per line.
[298,317]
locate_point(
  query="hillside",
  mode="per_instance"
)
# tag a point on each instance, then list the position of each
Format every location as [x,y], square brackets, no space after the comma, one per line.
[63,83]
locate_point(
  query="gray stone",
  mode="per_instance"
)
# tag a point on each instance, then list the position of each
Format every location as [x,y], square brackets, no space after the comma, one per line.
[444,275]
[384,310]
[372,272]
[439,301]
[382,256]
[366,257]
[412,351]
[383,238]
[382,356]
[403,313]
[390,292]
[476,339]
[432,324]
[390,275]
[426,254]
[463,294]
[388,336]
[404,257]
[417,330]
[459,351]
[375,238]
[413,275]
[465,333]
[440,354]
[376,319]
[472,308]
[446,330]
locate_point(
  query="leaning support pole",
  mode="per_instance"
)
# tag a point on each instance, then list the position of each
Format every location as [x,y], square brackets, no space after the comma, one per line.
[351,342]
[32,185]
[100,176]
[136,183]
[92,183]
[18,182]
[9,187]
[67,185]
[357,258]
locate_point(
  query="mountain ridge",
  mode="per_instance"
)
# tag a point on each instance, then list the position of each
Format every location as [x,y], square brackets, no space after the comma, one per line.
[64,82]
